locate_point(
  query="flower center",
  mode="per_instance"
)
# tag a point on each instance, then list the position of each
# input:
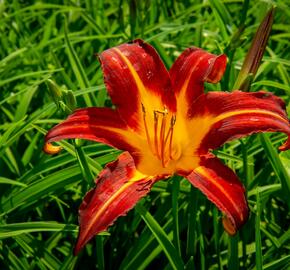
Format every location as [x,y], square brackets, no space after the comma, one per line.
[160,142]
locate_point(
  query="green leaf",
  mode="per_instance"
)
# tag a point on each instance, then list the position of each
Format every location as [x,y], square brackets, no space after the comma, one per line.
[278,264]
[277,85]
[77,66]
[258,241]
[41,188]
[11,230]
[169,250]
[276,164]
[4,180]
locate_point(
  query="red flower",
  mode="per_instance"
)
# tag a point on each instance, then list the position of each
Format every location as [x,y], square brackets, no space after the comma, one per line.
[166,124]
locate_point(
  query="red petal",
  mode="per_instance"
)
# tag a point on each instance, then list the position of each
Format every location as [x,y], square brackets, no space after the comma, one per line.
[118,188]
[221,186]
[50,149]
[97,124]
[135,74]
[194,67]
[233,115]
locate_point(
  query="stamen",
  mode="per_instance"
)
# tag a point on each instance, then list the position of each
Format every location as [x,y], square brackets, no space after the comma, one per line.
[162,136]
[170,144]
[170,133]
[146,127]
[160,148]
[155,134]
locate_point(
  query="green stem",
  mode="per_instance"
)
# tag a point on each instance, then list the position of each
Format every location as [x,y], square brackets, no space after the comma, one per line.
[175,192]
[100,252]
[192,213]
[233,253]
[217,237]
[201,244]
[259,255]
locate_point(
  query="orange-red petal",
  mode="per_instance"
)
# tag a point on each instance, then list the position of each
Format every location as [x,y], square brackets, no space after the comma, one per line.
[118,188]
[97,124]
[134,75]
[227,116]
[191,69]
[221,186]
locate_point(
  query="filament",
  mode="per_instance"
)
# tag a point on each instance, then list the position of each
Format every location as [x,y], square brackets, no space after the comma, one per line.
[170,135]
[162,134]
[156,134]
[161,146]
[146,127]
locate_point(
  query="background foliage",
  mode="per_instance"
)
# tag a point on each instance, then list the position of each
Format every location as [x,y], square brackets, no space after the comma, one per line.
[40,194]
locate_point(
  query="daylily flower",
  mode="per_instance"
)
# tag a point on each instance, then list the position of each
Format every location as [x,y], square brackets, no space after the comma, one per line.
[166,125]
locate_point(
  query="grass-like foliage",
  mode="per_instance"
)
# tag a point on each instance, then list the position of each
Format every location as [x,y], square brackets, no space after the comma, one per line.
[48,43]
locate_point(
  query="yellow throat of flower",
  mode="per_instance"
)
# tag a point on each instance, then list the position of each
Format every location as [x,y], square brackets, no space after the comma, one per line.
[160,140]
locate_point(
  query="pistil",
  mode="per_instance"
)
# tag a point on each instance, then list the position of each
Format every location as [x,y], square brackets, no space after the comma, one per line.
[162,135]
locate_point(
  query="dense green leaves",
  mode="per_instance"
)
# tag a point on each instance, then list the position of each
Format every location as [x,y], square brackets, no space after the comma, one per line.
[162,238]
[15,229]
[175,226]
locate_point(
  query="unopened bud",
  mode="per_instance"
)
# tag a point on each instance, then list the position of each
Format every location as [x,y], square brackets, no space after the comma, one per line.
[70,100]
[55,91]
[256,52]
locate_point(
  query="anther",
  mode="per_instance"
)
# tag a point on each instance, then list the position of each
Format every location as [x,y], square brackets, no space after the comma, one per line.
[143,109]
[173,120]
[162,138]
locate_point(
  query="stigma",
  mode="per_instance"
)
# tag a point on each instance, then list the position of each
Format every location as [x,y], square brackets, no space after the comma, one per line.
[159,133]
